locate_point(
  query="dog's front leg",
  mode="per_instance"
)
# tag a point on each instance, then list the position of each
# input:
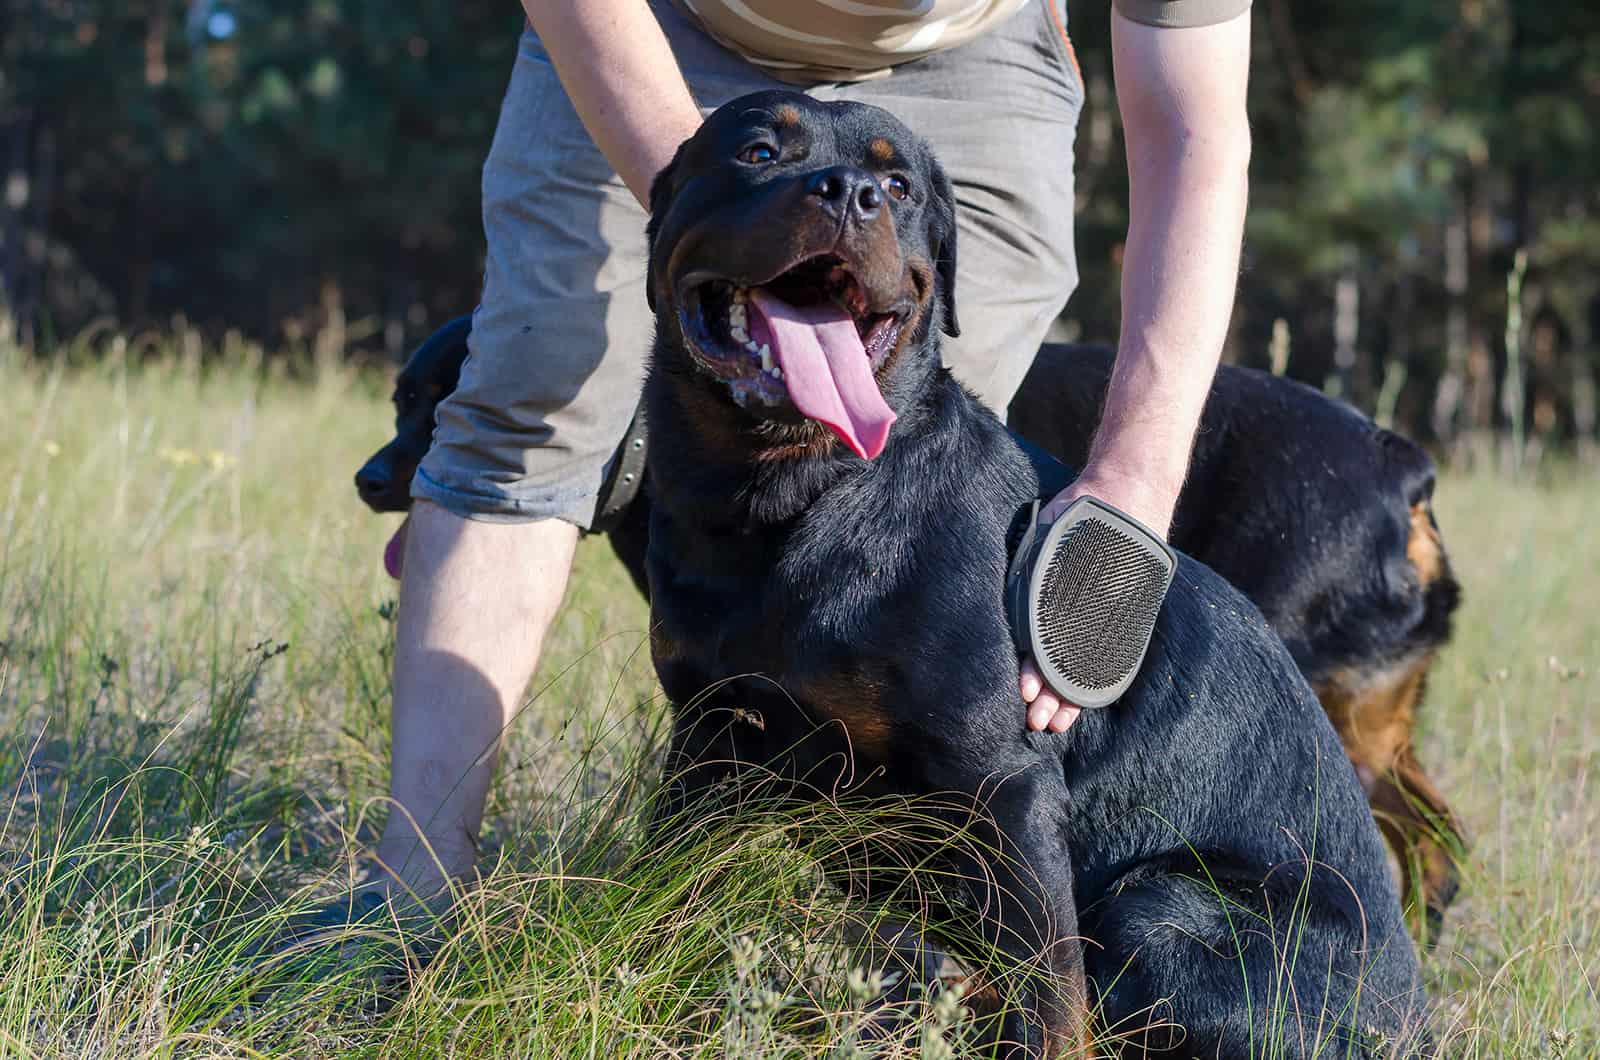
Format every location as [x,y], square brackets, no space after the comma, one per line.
[711,765]
[1018,872]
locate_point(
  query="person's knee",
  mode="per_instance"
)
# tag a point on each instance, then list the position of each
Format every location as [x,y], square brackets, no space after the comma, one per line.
[507,571]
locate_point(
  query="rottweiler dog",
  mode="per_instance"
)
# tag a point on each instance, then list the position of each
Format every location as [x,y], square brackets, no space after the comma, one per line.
[829,519]
[1319,516]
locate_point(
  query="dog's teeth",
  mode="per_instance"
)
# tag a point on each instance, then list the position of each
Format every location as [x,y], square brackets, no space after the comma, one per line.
[736,315]
[767,363]
[740,335]
[752,347]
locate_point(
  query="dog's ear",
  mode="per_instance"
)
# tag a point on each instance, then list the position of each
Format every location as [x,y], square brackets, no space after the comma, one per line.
[942,240]
[661,192]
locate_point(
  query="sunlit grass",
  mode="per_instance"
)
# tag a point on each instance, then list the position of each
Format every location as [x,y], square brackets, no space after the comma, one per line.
[194,686]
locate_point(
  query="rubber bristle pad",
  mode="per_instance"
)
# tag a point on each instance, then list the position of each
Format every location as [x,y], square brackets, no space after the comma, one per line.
[1097,604]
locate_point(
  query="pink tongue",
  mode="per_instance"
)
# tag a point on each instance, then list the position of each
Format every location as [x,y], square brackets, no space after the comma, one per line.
[394,552]
[826,369]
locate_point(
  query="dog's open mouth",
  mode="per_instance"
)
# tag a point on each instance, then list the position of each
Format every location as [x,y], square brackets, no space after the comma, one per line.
[808,336]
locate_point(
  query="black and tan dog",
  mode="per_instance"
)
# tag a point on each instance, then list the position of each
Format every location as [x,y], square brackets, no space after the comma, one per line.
[827,545]
[1321,518]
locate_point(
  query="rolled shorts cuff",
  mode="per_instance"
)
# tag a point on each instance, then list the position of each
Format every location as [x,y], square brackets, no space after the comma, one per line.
[486,503]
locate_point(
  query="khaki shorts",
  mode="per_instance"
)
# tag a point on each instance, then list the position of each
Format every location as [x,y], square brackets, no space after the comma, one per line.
[560,337]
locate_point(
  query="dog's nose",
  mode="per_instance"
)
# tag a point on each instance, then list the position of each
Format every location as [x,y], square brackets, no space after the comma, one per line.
[371,482]
[845,189]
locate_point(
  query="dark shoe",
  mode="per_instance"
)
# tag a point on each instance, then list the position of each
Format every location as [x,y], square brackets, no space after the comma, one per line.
[364,940]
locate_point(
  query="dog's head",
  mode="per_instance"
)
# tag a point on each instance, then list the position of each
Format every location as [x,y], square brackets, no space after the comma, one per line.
[801,253]
[431,373]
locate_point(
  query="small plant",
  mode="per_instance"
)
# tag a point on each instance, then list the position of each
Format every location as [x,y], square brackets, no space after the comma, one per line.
[753,1003]
[944,1014]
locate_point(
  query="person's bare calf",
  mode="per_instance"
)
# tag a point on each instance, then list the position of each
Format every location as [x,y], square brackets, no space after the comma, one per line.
[475,603]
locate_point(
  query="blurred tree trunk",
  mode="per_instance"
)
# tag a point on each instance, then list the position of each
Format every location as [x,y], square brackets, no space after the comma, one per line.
[15,191]
[1452,384]
[1480,396]
[1346,330]
[155,44]
[1397,366]
[1585,399]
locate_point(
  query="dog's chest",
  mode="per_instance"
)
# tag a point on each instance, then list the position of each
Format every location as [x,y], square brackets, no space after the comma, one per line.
[724,608]
[854,613]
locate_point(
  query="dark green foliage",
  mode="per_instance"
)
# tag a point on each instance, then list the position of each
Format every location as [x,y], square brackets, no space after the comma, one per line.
[245,162]
[1378,129]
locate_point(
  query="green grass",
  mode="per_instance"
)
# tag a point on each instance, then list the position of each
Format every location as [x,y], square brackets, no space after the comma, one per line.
[194,654]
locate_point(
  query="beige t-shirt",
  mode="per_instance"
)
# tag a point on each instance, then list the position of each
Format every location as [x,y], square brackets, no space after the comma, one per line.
[853,40]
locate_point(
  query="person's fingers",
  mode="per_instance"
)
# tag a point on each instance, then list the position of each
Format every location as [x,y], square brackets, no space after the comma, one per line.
[1030,681]
[1044,708]
[1065,717]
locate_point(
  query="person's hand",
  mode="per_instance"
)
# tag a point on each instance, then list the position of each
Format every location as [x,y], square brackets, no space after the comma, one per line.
[1152,507]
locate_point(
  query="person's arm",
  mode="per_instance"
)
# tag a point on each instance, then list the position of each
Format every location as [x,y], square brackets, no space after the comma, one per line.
[620,73]
[1182,97]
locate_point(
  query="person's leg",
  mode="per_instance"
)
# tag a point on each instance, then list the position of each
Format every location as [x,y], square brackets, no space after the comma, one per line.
[475,603]
[1001,112]
[520,449]
[518,455]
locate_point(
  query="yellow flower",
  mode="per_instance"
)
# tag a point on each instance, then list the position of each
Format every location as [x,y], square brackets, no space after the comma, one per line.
[220,460]
[52,448]
[179,457]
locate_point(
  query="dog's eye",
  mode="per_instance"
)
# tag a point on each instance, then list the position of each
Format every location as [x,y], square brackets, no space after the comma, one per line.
[897,186]
[758,154]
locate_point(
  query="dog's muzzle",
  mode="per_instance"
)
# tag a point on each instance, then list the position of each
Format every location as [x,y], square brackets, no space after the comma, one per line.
[1083,596]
